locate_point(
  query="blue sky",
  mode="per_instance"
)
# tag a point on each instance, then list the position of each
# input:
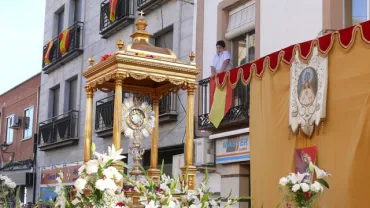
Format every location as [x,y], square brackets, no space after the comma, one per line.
[21,41]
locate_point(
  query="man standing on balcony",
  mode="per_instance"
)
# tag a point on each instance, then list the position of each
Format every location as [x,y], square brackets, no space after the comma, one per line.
[221,61]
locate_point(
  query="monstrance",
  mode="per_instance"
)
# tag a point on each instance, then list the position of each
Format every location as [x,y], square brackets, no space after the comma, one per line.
[138,121]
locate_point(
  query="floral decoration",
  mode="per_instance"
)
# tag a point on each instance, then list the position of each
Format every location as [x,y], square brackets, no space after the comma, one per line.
[97,187]
[303,192]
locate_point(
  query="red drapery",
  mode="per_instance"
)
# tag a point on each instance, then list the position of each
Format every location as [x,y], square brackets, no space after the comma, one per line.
[324,44]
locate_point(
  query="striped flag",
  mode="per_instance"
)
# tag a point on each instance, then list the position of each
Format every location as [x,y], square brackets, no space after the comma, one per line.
[64,41]
[47,53]
[113,6]
[223,98]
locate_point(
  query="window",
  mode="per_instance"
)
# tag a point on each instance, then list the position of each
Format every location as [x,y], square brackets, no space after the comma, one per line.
[9,131]
[164,39]
[360,11]
[165,154]
[72,105]
[60,17]
[28,122]
[243,52]
[243,49]
[55,101]
[77,11]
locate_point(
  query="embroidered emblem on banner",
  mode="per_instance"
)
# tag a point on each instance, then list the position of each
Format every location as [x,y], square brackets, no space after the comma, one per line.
[308,91]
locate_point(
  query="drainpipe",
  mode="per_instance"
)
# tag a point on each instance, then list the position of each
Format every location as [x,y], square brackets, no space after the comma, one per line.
[1,123]
[35,138]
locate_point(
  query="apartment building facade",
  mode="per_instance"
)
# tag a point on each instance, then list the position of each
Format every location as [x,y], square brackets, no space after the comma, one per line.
[251,29]
[91,33]
[18,132]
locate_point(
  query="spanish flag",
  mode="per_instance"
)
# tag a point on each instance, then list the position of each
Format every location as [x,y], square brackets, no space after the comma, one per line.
[113,5]
[47,53]
[64,41]
[223,98]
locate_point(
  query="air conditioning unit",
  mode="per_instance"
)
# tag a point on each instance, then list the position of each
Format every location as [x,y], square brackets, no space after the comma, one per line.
[15,122]
[26,121]
[204,152]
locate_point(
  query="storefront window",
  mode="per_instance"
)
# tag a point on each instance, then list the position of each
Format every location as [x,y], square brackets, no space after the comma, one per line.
[47,194]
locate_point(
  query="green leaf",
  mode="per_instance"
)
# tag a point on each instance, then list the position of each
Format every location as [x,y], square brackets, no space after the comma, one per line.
[323,182]
[162,166]
[18,202]
[93,147]
[108,163]
[120,163]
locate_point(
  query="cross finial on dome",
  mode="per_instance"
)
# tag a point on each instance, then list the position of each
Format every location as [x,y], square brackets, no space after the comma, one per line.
[141,13]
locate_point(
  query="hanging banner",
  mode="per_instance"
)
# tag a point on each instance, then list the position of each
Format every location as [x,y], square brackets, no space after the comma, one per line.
[64,41]
[47,53]
[113,7]
[308,89]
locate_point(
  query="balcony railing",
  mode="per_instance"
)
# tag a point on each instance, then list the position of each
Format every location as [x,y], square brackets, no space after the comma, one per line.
[149,5]
[73,50]
[59,131]
[238,115]
[105,111]
[124,17]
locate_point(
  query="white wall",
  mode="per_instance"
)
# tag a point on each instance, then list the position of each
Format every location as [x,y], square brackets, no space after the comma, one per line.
[210,35]
[286,22]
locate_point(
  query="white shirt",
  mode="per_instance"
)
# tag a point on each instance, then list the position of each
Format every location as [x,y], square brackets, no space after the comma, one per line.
[218,61]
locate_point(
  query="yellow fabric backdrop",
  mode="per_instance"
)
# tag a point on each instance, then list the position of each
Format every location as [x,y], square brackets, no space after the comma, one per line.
[343,142]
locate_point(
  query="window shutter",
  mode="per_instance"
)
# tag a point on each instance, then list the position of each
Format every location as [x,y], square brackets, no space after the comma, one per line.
[241,20]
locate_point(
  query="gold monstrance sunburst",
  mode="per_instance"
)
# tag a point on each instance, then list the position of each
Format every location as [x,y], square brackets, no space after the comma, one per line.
[138,121]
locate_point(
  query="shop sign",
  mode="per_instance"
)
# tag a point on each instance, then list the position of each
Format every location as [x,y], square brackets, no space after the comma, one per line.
[235,149]
[70,174]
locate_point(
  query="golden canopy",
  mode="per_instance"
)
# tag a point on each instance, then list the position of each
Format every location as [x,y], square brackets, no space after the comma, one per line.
[148,70]
[145,68]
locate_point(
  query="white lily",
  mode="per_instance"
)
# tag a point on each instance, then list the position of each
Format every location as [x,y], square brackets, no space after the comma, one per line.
[321,173]
[301,176]
[92,166]
[151,205]
[114,154]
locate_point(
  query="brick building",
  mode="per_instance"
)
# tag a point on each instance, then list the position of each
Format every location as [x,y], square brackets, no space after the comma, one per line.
[18,124]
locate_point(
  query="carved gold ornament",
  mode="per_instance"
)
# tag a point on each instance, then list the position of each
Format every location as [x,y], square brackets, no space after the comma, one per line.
[137,118]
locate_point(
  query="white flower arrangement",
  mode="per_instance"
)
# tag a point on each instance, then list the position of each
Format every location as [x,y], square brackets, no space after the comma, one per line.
[303,192]
[8,191]
[96,187]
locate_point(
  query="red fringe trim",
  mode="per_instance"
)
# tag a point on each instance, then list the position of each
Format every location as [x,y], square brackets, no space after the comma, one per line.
[325,43]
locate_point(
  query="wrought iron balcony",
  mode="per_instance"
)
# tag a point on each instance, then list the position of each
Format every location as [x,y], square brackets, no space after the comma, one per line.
[59,131]
[149,5]
[105,112]
[124,16]
[168,108]
[73,50]
[238,115]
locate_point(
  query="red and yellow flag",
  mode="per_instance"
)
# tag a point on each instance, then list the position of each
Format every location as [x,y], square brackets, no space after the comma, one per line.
[224,99]
[112,5]
[47,53]
[64,41]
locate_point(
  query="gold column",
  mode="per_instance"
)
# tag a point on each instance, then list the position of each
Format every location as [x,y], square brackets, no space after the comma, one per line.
[189,168]
[117,118]
[154,173]
[88,124]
